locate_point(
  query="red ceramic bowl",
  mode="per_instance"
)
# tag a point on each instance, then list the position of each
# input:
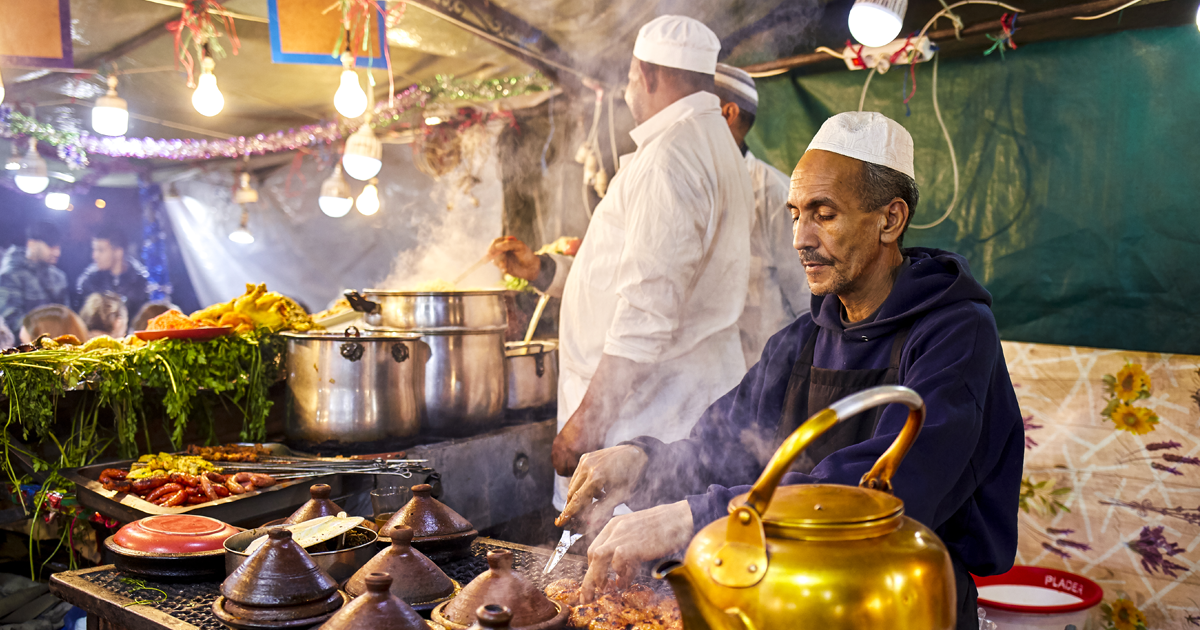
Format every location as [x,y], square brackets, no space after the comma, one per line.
[174,534]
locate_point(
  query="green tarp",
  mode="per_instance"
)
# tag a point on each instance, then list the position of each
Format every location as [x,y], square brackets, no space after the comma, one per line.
[1080,178]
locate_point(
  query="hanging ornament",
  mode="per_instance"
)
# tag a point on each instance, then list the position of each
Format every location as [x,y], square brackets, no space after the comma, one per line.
[198,25]
[356,33]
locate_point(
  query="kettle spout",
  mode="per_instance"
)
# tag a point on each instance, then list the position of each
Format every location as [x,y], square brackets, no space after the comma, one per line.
[698,612]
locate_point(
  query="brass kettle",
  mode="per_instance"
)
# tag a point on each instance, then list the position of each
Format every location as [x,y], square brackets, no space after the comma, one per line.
[820,556]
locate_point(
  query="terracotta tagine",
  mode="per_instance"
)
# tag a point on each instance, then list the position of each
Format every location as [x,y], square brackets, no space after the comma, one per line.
[172,547]
[436,528]
[500,585]
[376,608]
[317,506]
[820,556]
[492,616]
[278,586]
[418,581]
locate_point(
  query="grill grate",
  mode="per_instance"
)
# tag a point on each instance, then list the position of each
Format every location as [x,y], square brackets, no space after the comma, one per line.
[192,603]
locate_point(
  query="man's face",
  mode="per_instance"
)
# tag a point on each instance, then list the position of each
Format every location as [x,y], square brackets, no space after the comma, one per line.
[837,237]
[636,95]
[104,254]
[39,251]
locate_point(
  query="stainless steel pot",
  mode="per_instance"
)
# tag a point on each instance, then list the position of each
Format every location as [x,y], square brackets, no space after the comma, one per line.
[423,311]
[465,386]
[354,387]
[532,374]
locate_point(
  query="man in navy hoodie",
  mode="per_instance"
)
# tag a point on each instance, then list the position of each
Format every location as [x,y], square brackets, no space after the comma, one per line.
[880,315]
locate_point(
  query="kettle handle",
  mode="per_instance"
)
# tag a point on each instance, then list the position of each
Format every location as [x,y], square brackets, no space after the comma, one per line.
[880,475]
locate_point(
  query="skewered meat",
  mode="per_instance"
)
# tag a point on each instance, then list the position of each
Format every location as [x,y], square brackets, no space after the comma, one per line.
[229,452]
[204,486]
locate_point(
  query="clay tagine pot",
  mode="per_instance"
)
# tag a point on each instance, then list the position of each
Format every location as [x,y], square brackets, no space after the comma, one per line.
[376,608]
[436,528]
[317,506]
[278,586]
[500,585]
[492,616]
[418,581]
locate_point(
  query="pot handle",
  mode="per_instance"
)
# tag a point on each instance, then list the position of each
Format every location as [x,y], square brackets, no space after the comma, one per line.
[360,303]
[880,475]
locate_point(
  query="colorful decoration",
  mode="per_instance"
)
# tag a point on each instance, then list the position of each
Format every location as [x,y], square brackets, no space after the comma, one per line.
[356,32]
[1154,549]
[1008,27]
[1123,615]
[1130,385]
[73,147]
[201,28]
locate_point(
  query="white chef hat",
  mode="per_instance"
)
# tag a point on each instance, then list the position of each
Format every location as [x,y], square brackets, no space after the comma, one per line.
[867,136]
[735,84]
[679,42]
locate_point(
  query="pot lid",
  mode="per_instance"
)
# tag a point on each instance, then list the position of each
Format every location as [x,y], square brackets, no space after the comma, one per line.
[174,533]
[492,616]
[502,586]
[377,608]
[417,579]
[315,531]
[428,517]
[317,506]
[365,334]
[797,511]
[280,574]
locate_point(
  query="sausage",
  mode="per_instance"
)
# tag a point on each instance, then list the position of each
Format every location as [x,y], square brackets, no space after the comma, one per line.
[215,477]
[233,486]
[184,479]
[119,486]
[242,477]
[176,499]
[221,491]
[261,481]
[115,474]
[147,485]
[163,490]
[206,489]
[193,499]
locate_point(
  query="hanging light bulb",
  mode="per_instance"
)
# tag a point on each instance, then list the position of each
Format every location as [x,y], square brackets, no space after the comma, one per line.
[350,100]
[14,161]
[110,114]
[364,154]
[877,22]
[207,99]
[2,83]
[245,192]
[58,201]
[31,175]
[335,199]
[368,200]
[242,235]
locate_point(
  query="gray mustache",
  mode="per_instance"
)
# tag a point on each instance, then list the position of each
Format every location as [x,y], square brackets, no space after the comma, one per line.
[809,255]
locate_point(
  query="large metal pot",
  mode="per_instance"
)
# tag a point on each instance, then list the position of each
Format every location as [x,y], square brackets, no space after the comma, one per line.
[354,387]
[423,311]
[465,386]
[532,374]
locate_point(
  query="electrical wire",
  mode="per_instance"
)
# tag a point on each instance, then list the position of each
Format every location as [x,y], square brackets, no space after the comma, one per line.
[831,52]
[593,143]
[950,8]
[612,133]
[1107,13]
[953,158]
[863,99]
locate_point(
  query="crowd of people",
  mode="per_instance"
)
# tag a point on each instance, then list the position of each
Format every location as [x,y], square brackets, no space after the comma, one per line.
[36,298]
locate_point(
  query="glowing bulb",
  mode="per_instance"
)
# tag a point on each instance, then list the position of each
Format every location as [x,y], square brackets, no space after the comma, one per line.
[242,235]
[31,175]
[1197,27]
[245,192]
[110,114]
[368,200]
[877,22]
[2,81]
[433,120]
[207,99]
[58,201]
[364,154]
[335,199]
[350,100]
[14,161]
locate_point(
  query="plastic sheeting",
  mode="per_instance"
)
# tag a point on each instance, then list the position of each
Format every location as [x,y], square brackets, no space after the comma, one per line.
[1078,205]
[302,253]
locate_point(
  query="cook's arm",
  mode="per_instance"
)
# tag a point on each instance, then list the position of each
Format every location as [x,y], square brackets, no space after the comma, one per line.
[552,276]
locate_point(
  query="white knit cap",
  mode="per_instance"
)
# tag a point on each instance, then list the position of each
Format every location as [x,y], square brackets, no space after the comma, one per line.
[739,85]
[679,42]
[867,136]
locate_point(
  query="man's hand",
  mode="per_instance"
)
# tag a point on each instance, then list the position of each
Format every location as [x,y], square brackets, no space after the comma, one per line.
[632,539]
[577,438]
[607,475]
[514,258]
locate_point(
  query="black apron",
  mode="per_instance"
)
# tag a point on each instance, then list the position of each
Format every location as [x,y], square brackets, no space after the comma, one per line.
[811,389]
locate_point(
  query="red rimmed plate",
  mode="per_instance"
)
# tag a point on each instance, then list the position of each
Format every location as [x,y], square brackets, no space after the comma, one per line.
[174,534]
[194,334]
[1038,591]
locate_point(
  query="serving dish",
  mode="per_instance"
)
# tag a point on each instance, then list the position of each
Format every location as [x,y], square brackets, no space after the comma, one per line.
[172,547]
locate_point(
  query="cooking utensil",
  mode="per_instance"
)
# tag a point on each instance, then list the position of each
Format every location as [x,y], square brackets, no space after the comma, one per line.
[344,555]
[500,585]
[532,374]
[564,544]
[314,532]
[434,311]
[537,316]
[318,505]
[353,387]
[419,582]
[172,547]
[377,607]
[848,544]
[388,500]
[470,270]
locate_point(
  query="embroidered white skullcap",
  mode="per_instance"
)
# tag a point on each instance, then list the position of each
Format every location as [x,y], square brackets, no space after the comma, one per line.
[737,85]
[679,42]
[867,136]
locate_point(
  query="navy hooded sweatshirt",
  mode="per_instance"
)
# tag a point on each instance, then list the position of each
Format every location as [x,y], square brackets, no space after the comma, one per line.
[962,477]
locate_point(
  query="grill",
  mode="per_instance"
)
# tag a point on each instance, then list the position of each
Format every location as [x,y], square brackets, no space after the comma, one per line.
[192,603]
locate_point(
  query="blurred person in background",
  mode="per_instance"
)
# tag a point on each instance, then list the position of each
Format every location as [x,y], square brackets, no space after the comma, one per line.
[52,320]
[113,271]
[149,311]
[7,338]
[28,277]
[778,289]
[105,314]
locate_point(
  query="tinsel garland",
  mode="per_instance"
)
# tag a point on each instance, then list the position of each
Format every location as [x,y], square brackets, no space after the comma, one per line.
[74,147]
